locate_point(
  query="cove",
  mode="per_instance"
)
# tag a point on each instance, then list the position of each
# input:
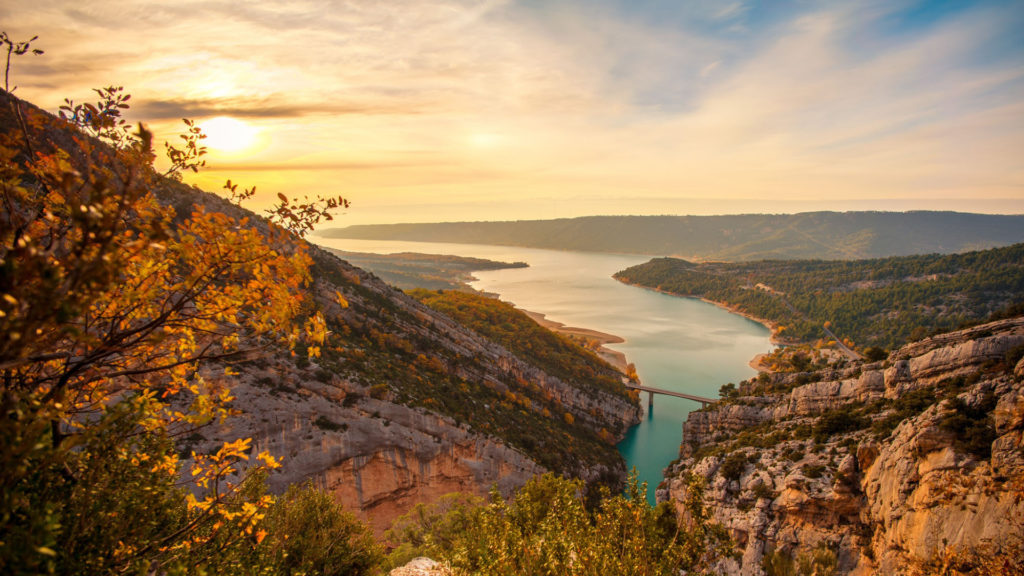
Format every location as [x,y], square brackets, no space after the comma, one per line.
[679,344]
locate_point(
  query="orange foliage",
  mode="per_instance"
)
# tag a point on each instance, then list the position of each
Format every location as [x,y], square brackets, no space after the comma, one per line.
[108,295]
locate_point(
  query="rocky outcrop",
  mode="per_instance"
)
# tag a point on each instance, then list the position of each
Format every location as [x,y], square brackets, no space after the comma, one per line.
[388,415]
[348,427]
[378,458]
[422,567]
[922,493]
[889,465]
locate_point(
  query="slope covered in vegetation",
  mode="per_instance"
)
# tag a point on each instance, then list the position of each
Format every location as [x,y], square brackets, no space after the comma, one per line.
[828,235]
[160,345]
[882,302]
[550,528]
[407,270]
[500,321]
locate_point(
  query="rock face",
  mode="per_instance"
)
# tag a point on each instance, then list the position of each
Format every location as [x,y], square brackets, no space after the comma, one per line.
[421,567]
[350,431]
[889,465]
[387,415]
[378,458]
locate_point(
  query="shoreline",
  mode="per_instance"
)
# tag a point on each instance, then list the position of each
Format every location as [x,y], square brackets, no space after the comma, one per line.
[614,357]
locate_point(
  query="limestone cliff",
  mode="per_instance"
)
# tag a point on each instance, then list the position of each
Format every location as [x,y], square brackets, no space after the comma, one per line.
[379,458]
[891,465]
[403,404]
[406,405]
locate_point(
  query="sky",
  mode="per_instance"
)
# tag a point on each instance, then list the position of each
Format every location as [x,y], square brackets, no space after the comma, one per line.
[448,110]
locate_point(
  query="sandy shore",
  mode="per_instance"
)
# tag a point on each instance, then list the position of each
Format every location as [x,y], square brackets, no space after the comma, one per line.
[615,358]
[756,364]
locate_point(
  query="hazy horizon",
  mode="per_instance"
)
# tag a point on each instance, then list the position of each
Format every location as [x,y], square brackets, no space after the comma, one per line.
[336,224]
[459,110]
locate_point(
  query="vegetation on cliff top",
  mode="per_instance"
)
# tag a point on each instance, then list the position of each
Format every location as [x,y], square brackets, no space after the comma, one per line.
[881,302]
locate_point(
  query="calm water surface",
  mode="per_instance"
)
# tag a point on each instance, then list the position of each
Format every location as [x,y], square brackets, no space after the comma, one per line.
[676,343]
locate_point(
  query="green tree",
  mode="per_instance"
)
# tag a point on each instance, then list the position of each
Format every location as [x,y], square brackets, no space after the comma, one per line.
[308,533]
[547,529]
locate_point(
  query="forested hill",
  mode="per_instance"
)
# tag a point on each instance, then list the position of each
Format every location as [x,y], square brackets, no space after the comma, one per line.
[825,235]
[881,302]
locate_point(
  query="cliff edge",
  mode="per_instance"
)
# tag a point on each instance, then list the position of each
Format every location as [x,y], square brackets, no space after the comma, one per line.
[902,465]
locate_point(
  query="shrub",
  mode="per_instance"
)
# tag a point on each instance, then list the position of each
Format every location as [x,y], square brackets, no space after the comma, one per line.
[837,421]
[972,426]
[547,529]
[310,533]
[875,354]
[761,490]
[813,470]
[733,466]
[728,391]
[819,561]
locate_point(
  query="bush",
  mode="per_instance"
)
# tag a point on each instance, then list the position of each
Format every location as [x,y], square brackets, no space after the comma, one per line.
[819,561]
[909,405]
[728,391]
[733,466]
[813,470]
[310,533]
[547,529]
[972,426]
[875,354]
[838,421]
[761,490]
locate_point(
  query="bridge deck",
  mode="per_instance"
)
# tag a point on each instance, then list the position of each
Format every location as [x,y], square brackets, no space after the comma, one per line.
[700,399]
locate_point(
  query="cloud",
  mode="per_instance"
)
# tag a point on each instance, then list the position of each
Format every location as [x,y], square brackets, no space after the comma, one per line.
[316,166]
[452,101]
[265,108]
[730,11]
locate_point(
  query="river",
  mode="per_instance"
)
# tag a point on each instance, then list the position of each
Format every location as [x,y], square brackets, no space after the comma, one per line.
[679,344]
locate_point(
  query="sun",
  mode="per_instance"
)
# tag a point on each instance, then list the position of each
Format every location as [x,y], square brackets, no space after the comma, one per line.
[225,134]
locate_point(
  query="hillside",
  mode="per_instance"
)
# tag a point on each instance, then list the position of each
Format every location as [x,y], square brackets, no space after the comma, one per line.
[819,235]
[397,405]
[408,270]
[878,302]
[909,465]
[499,321]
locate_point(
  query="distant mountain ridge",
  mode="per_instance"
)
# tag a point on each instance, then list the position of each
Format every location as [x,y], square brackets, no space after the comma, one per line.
[808,235]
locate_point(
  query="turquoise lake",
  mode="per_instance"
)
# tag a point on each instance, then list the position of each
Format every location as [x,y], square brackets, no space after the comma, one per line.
[679,344]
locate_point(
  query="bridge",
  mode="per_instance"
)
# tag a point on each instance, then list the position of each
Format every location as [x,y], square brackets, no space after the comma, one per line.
[652,391]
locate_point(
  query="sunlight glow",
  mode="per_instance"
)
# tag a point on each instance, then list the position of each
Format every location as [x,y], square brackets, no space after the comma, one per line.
[224,134]
[485,139]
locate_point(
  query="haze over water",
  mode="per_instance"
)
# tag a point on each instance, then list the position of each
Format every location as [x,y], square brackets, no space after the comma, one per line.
[677,344]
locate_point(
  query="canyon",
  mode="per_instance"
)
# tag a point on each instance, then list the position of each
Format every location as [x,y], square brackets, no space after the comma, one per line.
[902,463]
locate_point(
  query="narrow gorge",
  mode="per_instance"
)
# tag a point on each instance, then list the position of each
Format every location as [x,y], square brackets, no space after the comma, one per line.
[909,463]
